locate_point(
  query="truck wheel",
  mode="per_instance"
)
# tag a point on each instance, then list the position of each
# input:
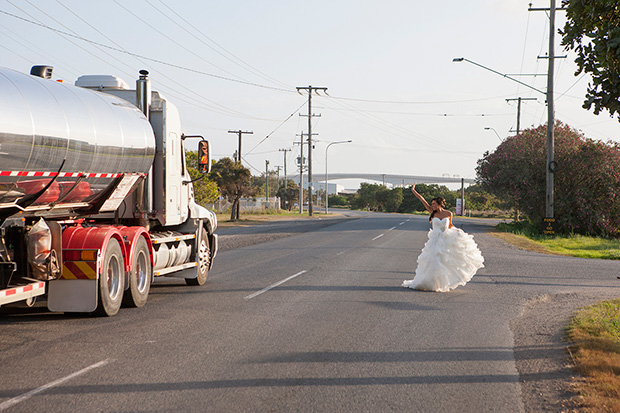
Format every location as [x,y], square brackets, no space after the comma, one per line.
[111,280]
[140,276]
[204,259]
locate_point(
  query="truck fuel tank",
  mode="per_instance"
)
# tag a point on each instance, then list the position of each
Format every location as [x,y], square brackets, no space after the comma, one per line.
[82,139]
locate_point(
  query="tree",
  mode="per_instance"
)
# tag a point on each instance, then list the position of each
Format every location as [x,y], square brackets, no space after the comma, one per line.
[587,181]
[205,190]
[290,195]
[480,200]
[592,30]
[376,197]
[338,200]
[411,204]
[234,181]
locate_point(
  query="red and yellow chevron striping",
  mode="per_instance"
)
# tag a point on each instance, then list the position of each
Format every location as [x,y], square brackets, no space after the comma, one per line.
[79,270]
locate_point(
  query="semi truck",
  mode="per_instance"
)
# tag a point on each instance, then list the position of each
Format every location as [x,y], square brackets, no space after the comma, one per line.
[96,199]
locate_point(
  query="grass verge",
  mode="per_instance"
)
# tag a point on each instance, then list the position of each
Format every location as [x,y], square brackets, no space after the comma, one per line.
[595,334]
[570,245]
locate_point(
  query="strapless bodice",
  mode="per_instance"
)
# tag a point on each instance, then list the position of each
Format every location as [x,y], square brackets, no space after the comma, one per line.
[440,224]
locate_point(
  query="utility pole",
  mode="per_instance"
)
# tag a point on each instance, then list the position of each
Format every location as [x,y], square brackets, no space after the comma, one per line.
[278,167]
[551,165]
[239,132]
[519,99]
[301,173]
[310,89]
[285,177]
[267,180]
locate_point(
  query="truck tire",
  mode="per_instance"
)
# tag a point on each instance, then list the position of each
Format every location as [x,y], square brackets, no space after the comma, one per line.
[111,280]
[203,257]
[140,276]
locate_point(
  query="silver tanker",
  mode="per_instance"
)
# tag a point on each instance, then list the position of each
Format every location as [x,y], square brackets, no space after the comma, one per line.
[51,127]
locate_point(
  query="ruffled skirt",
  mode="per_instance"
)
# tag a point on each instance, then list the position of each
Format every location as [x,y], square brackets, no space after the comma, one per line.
[449,258]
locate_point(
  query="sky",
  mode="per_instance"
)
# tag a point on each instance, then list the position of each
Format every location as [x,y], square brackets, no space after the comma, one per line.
[392,86]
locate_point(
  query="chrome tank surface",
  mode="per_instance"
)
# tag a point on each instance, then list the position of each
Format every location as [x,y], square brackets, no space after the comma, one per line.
[44,123]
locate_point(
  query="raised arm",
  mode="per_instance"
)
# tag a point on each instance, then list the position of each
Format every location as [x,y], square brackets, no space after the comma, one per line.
[421,198]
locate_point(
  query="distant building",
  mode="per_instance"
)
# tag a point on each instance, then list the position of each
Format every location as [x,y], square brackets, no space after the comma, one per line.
[332,188]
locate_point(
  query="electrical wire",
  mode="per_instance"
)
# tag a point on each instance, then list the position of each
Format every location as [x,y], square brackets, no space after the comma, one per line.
[155,29]
[212,106]
[244,64]
[162,62]
[397,130]
[38,22]
[271,133]
[401,102]
[26,44]
[427,114]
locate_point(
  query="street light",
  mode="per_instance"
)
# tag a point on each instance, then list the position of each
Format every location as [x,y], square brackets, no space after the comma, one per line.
[499,137]
[551,164]
[461,59]
[326,185]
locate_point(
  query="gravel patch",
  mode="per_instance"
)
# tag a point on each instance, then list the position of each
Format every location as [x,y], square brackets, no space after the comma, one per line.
[546,370]
[245,235]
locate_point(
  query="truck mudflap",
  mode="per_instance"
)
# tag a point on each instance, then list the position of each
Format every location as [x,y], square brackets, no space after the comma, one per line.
[76,289]
[24,292]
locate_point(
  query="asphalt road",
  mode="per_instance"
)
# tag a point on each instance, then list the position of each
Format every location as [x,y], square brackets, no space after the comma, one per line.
[316,321]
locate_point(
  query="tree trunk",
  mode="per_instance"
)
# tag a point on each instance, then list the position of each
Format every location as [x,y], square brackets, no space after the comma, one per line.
[233,210]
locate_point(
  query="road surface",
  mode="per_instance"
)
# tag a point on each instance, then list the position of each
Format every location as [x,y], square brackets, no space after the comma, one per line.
[316,321]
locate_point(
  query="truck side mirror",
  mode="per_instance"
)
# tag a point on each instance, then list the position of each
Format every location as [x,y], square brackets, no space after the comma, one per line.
[204,157]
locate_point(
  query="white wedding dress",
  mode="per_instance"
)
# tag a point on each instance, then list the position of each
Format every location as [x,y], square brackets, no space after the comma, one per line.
[449,258]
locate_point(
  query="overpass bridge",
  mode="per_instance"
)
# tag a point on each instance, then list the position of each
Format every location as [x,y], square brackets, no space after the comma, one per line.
[394,180]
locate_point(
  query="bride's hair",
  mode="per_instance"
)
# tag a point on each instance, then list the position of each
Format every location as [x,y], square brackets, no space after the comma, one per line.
[441,202]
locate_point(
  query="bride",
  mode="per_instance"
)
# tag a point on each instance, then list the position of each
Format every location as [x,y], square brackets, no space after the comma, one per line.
[450,257]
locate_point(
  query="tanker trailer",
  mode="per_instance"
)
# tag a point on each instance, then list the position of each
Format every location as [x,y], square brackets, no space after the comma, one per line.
[95,196]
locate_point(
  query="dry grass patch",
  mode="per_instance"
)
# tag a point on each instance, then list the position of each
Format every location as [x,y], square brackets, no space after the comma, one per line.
[595,333]
[522,242]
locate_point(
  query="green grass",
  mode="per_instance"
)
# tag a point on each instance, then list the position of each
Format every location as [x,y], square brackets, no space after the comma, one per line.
[572,245]
[583,246]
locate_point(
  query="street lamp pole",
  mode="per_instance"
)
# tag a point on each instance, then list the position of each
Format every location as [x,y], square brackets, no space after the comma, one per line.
[551,164]
[498,137]
[462,59]
[326,181]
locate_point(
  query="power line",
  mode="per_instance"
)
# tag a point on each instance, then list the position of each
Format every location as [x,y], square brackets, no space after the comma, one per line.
[272,132]
[195,29]
[59,32]
[401,102]
[426,114]
[171,39]
[227,111]
[163,62]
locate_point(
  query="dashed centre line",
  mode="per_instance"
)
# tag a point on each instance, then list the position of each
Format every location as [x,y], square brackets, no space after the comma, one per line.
[55,383]
[264,290]
[391,228]
[378,236]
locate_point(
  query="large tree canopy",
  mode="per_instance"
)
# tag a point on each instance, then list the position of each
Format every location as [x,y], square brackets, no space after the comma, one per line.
[592,30]
[234,181]
[587,181]
[205,191]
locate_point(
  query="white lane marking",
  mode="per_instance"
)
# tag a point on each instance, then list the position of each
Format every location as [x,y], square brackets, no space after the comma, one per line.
[402,222]
[391,228]
[26,396]
[340,253]
[274,285]
[378,236]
